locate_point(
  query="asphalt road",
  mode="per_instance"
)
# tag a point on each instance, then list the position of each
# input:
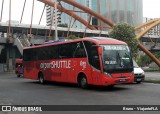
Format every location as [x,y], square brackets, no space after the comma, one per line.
[20,91]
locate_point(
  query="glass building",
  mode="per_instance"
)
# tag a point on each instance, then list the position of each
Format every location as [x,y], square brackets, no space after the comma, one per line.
[66,18]
[117,11]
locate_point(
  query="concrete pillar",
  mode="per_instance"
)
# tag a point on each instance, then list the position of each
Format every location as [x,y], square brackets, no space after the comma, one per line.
[7,59]
[1,65]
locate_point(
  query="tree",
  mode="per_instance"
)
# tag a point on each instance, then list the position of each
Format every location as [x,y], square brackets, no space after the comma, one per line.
[146,60]
[65,25]
[125,32]
[72,37]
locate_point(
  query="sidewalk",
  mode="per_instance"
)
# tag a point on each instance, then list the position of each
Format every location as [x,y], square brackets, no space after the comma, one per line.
[152,77]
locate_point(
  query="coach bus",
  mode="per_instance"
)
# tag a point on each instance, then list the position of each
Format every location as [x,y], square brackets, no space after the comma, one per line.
[87,61]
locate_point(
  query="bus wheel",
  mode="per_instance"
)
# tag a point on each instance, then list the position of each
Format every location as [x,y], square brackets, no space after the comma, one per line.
[41,78]
[138,82]
[110,86]
[83,82]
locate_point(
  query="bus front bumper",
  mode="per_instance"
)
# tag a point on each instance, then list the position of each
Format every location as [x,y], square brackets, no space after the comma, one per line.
[115,81]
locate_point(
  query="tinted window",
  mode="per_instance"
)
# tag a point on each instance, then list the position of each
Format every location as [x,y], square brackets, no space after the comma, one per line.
[43,53]
[93,57]
[117,58]
[67,50]
[80,51]
[28,55]
[54,52]
[48,53]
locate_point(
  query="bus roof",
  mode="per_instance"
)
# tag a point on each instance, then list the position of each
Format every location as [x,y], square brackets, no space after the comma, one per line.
[96,40]
[105,40]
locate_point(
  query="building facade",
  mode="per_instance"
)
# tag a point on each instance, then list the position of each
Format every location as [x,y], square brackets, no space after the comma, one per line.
[154,32]
[66,19]
[50,15]
[117,11]
[151,40]
[63,18]
[130,11]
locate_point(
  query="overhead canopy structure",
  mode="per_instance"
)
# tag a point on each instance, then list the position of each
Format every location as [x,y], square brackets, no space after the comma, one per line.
[107,21]
[148,26]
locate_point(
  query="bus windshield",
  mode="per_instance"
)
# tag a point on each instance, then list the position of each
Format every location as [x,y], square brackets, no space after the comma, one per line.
[117,58]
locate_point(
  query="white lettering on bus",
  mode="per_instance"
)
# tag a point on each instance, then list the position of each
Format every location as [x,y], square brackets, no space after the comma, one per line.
[56,64]
[83,64]
[110,62]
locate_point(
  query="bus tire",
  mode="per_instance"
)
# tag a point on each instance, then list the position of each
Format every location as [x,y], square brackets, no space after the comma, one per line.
[82,81]
[110,86]
[41,78]
[138,82]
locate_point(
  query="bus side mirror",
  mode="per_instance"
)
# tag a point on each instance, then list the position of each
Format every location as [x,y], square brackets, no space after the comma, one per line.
[100,50]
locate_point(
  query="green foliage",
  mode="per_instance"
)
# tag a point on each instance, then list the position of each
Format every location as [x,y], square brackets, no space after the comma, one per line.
[145,59]
[72,37]
[157,54]
[125,32]
[63,25]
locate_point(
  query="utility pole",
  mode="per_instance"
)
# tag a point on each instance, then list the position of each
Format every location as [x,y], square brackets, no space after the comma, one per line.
[56,32]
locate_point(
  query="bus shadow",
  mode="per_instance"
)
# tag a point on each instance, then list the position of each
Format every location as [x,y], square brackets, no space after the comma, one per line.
[107,89]
[55,84]
[90,88]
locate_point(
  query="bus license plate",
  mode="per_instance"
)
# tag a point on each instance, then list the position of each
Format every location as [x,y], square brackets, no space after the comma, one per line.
[121,81]
[138,79]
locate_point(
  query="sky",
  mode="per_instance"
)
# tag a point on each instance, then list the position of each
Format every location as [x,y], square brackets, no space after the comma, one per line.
[151,9]
[17,6]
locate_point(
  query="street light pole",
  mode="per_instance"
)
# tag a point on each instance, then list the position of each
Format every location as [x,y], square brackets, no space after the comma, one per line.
[56,32]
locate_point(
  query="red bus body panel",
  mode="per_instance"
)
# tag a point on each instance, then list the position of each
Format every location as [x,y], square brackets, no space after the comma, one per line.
[71,67]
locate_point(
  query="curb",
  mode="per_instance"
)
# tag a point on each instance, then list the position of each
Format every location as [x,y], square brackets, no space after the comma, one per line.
[152,81]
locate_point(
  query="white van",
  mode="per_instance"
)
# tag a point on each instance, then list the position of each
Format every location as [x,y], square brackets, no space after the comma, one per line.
[139,75]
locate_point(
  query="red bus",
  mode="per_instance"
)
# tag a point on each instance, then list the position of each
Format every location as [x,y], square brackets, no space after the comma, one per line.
[18,67]
[87,61]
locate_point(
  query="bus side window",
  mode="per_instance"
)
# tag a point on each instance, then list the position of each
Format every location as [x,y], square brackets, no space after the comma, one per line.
[95,58]
[80,51]
[67,50]
[54,52]
[27,56]
[63,51]
[92,52]
[42,53]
